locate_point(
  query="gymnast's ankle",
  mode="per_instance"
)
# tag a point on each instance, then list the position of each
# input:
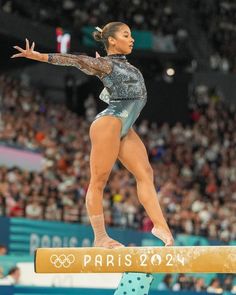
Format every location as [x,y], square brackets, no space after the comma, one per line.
[164,235]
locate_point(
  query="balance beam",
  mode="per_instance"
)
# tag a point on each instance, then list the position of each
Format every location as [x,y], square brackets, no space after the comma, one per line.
[197,259]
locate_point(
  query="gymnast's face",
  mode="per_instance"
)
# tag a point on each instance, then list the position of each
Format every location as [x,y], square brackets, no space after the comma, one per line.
[122,42]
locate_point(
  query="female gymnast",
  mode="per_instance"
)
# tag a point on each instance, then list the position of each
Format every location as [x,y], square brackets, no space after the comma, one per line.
[111,134]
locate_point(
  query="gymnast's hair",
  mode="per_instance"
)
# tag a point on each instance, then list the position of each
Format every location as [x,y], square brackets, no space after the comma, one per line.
[109,30]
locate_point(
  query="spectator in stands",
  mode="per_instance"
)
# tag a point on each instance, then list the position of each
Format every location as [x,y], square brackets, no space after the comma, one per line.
[199,285]
[17,210]
[215,286]
[12,278]
[183,283]
[218,21]
[228,283]
[147,224]
[3,250]
[52,211]
[34,209]
[2,205]
[166,283]
[1,272]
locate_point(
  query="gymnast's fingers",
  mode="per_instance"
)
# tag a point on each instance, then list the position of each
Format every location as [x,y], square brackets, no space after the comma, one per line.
[32,46]
[19,48]
[27,44]
[17,55]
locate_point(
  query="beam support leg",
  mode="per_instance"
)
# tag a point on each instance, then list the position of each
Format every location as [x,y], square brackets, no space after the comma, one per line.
[133,283]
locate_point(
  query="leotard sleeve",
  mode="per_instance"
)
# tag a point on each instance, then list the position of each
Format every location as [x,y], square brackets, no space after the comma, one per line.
[89,65]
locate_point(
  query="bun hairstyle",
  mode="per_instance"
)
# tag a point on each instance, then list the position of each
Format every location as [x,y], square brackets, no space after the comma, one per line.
[102,34]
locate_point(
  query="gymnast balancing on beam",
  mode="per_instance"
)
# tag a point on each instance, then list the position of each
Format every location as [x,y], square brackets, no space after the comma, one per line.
[111,134]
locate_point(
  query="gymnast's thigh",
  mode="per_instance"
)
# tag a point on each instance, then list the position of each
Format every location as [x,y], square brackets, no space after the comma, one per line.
[105,144]
[133,155]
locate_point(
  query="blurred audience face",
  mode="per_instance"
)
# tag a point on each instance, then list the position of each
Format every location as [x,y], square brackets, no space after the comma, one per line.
[14,275]
[3,250]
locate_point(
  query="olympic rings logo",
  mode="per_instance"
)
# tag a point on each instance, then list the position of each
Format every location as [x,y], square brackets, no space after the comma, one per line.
[62,260]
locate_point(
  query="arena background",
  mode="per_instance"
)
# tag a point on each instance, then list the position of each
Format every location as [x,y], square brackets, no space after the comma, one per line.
[186,52]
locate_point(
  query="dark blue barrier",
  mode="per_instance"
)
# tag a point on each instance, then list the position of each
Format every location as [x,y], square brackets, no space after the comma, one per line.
[78,291]
[5,290]
[54,291]
[5,230]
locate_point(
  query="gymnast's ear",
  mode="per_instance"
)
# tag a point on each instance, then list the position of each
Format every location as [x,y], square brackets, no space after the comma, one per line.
[111,41]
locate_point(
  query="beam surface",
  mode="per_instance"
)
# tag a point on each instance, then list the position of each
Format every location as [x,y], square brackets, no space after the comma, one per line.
[196,259]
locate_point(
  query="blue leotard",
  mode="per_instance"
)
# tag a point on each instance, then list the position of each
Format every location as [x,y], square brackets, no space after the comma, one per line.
[124,87]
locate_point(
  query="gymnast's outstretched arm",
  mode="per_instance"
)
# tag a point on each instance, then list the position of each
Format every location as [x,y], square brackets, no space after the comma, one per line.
[89,65]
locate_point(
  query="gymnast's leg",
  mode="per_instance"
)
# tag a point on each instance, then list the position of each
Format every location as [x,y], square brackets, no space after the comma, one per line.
[105,141]
[133,156]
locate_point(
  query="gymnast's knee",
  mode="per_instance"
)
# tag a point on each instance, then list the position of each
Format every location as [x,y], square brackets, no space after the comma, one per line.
[98,182]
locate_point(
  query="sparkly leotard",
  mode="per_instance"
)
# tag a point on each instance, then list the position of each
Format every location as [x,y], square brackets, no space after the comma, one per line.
[124,87]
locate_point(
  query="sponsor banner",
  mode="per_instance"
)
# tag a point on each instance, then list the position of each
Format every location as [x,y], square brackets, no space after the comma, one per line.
[23,236]
[26,235]
[12,157]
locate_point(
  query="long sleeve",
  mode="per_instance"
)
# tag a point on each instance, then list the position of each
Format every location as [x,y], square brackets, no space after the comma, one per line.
[89,65]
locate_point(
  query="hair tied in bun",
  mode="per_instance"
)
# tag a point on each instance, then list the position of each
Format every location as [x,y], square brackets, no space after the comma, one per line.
[98,29]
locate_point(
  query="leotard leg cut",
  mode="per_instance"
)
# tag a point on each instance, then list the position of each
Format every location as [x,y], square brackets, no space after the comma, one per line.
[127,110]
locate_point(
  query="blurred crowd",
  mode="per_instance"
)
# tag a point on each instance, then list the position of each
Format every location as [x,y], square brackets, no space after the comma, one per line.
[157,16]
[217,18]
[73,14]
[197,284]
[194,165]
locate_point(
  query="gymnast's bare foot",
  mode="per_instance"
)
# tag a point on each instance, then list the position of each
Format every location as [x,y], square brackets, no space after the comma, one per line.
[107,242]
[163,235]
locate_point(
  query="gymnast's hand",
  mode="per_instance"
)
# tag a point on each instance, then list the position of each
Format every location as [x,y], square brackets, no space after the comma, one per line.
[29,52]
